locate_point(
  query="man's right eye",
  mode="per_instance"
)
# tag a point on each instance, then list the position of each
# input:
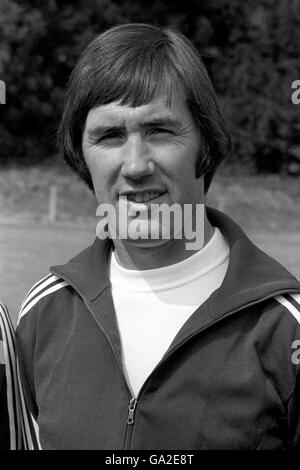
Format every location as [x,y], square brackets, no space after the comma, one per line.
[110,136]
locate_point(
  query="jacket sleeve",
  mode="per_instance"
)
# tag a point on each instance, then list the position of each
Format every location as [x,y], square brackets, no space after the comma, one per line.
[31,337]
[280,356]
[291,307]
[294,416]
[25,345]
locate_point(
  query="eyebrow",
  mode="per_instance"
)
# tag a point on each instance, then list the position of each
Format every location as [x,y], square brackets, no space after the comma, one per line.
[103,129]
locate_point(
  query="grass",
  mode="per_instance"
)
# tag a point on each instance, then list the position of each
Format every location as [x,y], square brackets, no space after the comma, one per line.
[25,195]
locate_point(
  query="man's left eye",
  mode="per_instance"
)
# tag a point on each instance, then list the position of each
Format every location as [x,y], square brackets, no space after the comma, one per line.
[161,130]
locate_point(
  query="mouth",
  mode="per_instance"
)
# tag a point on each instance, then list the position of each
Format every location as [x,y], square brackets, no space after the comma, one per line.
[143,197]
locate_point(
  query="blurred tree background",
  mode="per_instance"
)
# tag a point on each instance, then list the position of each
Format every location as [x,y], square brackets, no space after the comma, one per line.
[250,48]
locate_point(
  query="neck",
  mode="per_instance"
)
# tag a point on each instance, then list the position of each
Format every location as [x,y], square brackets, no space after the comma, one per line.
[152,256]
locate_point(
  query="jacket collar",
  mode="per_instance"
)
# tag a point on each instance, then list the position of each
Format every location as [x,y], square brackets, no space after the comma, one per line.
[252,275]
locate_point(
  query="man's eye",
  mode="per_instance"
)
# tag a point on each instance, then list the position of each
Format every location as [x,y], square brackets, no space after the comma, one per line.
[110,136]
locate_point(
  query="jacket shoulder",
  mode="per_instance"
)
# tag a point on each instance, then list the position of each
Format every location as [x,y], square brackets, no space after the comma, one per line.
[46,287]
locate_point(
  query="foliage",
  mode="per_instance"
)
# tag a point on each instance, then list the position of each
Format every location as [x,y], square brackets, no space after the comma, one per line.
[250,49]
[257,74]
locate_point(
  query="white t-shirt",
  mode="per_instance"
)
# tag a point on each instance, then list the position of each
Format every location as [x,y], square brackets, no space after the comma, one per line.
[152,305]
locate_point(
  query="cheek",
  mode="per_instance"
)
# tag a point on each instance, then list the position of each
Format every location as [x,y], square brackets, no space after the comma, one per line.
[101,168]
[182,168]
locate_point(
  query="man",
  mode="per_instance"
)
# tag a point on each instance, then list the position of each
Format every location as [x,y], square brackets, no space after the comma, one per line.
[146,340]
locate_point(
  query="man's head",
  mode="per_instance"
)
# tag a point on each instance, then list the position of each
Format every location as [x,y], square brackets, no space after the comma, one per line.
[133,65]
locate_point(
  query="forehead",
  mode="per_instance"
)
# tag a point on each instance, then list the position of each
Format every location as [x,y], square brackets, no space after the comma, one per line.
[162,107]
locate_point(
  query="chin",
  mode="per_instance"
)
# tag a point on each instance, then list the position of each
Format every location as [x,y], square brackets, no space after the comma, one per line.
[145,233]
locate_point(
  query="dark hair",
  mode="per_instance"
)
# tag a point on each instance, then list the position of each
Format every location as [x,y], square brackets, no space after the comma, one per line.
[131,64]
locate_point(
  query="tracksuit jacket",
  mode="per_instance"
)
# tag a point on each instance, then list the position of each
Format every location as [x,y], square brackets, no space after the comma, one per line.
[229,380]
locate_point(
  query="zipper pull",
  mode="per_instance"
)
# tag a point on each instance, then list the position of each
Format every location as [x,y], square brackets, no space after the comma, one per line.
[131,409]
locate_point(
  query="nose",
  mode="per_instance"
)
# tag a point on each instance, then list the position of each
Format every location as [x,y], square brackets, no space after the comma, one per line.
[137,161]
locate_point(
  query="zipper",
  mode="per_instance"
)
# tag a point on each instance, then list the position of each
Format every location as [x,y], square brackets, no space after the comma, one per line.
[131,410]
[130,423]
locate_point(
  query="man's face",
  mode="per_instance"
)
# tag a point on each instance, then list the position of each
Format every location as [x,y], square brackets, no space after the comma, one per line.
[147,154]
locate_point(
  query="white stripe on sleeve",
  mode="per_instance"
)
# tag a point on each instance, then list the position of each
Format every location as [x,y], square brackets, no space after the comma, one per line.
[289,306]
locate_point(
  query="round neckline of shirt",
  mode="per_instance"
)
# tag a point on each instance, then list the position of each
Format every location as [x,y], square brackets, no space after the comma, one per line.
[214,253]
